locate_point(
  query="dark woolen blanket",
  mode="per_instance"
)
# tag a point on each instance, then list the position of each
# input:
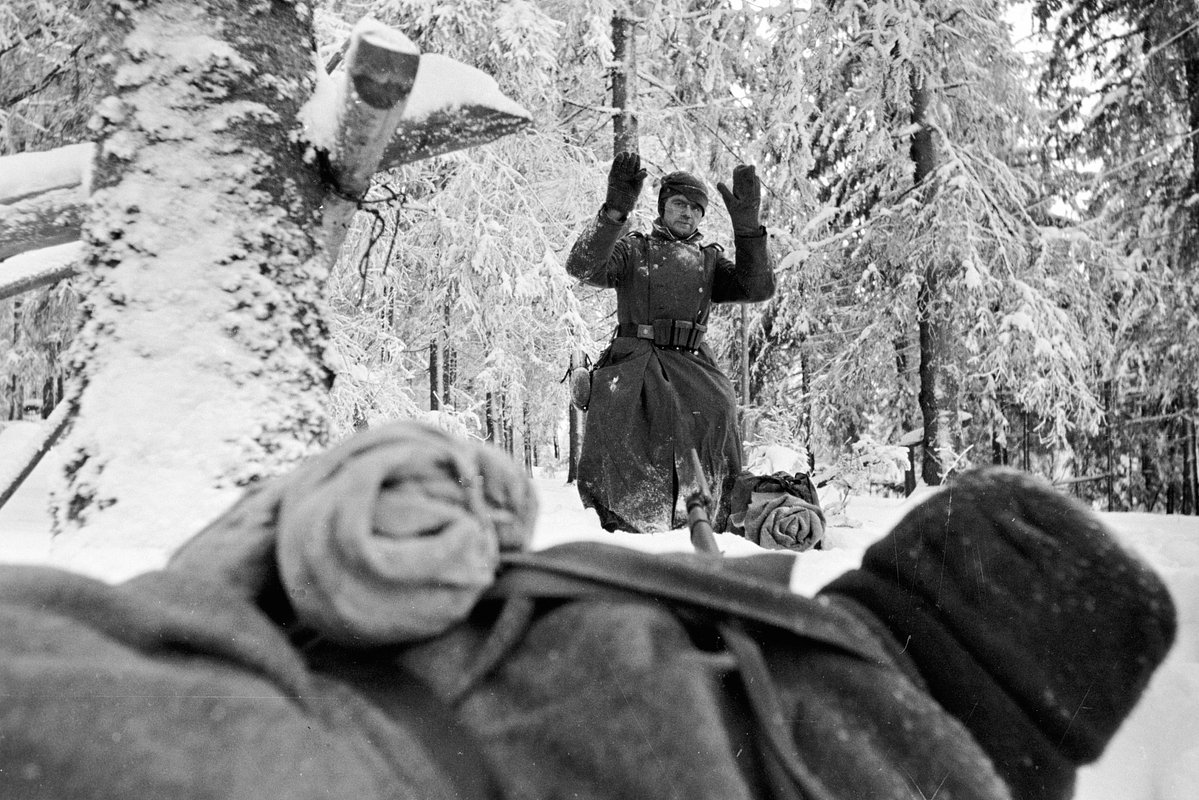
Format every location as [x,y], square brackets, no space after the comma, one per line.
[171,686]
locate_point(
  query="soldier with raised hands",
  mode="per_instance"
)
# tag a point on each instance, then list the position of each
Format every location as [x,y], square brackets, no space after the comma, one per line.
[656,392]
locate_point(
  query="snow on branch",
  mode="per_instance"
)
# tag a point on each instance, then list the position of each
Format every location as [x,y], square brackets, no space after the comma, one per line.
[452,106]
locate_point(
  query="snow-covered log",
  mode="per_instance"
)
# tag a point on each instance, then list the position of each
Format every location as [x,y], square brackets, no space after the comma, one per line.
[380,69]
[43,197]
[365,98]
[38,268]
[18,458]
[28,174]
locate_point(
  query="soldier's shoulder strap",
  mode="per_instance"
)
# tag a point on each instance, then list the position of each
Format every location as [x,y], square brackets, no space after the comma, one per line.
[712,253]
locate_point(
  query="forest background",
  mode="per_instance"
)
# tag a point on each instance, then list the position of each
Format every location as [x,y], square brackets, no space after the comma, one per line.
[986,252]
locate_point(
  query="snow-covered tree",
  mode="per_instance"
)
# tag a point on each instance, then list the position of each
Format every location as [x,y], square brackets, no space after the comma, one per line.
[1124,77]
[488,246]
[926,265]
[200,365]
[226,164]
[47,85]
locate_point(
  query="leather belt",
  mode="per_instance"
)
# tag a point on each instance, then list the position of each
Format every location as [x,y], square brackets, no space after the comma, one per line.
[680,334]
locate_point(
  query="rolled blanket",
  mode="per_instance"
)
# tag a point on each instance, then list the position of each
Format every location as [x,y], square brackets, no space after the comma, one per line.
[389,537]
[780,521]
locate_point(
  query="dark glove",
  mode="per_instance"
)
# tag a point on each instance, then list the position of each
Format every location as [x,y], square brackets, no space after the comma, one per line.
[743,201]
[624,182]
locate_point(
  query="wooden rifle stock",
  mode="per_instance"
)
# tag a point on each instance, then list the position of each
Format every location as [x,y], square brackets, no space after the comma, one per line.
[699,504]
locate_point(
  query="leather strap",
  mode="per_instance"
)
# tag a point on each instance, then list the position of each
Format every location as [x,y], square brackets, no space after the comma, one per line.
[677,333]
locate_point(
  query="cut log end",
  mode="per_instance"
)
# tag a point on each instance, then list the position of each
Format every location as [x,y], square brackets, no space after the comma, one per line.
[382,65]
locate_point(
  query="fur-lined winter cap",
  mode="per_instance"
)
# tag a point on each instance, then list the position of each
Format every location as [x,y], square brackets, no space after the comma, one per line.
[1025,615]
[686,184]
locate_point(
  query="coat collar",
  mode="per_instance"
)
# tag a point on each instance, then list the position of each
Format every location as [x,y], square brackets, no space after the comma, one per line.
[660,231]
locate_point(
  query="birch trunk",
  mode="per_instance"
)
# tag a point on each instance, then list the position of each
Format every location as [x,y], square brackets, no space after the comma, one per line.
[624,83]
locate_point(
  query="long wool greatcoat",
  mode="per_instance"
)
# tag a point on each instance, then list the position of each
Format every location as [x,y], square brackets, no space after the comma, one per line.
[651,404]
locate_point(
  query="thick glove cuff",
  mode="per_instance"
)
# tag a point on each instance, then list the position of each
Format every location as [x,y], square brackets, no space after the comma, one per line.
[746,225]
[621,199]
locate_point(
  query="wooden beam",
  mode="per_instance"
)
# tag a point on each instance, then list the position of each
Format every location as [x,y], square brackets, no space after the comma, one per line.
[28,174]
[38,268]
[20,462]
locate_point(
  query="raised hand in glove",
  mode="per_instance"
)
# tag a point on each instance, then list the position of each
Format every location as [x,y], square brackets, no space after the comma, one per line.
[624,183]
[743,201]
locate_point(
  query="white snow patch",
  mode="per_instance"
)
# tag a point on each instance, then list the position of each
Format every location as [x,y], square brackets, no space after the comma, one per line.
[443,85]
[318,117]
[772,458]
[27,174]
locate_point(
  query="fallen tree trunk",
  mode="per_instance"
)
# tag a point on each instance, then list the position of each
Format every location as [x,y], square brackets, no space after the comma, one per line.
[21,460]
[46,220]
[38,268]
[30,174]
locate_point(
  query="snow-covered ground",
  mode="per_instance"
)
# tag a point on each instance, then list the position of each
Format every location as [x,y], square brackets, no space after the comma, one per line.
[1155,756]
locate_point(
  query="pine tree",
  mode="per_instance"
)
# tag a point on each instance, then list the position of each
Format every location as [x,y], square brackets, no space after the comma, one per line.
[924,242]
[1125,78]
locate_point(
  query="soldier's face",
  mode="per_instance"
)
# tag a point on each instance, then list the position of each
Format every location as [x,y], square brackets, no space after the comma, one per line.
[681,216]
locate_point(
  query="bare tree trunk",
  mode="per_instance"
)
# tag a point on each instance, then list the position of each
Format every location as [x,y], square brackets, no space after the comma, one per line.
[1192,471]
[449,361]
[434,377]
[575,431]
[527,435]
[624,83]
[1149,476]
[938,387]
[624,138]
[491,420]
[744,355]
[203,328]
